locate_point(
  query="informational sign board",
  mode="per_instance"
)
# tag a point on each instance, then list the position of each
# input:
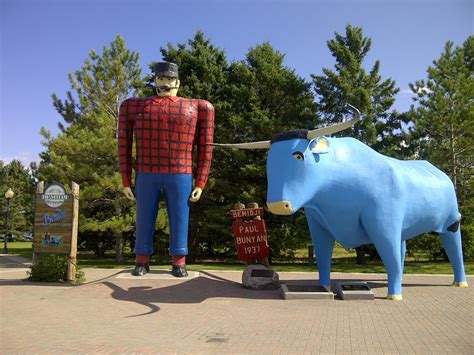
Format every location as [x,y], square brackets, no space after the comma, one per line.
[251,239]
[56,221]
[53,221]
[250,233]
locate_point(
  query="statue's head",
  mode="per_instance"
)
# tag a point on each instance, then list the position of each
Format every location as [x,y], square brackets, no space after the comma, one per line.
[166,79]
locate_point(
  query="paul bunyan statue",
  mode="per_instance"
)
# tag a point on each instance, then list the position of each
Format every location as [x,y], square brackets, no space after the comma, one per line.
[166,128]
[352,194]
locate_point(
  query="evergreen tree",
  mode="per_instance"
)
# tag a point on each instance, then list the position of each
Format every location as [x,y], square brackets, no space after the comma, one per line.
[444,125]
[17,177]
[202,72]
[380,128]
[86,149]
[265,98]
[100,86]
[350,83]
[254,100]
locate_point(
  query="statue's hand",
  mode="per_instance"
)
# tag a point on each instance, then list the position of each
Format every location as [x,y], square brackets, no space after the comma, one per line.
[128,193]
[196,194]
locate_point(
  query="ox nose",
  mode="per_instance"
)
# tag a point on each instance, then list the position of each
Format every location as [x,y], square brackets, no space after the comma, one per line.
[280,207]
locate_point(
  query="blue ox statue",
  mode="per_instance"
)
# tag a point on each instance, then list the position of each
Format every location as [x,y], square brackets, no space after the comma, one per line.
[352,194]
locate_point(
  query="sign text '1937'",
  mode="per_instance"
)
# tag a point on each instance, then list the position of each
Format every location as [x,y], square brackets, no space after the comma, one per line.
[251,239]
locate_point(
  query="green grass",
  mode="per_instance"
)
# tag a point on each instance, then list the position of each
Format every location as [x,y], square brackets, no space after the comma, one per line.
[343,261]
[23,249]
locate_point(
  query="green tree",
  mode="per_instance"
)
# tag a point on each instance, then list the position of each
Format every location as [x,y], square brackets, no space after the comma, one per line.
[350,83]
[255,99]
[202,72]
[19,178]
[102,83]
[265,98]
[381,127]
[85,151]
[444,125]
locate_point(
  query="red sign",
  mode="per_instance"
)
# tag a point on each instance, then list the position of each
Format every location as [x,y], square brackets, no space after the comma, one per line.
[251,239]
[247,213]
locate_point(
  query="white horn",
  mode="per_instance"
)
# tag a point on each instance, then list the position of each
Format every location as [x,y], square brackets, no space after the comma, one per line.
[252,145]
[337,127]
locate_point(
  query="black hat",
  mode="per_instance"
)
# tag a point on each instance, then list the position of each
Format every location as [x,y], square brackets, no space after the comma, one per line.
[169,70]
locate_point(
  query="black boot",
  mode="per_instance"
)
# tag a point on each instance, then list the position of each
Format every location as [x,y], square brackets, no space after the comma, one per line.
[179,271]
[141,269]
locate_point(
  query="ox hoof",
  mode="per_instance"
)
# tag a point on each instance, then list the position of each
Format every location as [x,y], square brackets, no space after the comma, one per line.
[395,297]
[459,284]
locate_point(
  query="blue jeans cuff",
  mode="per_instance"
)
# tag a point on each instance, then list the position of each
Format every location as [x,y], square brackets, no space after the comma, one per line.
[143,251]
[179,252]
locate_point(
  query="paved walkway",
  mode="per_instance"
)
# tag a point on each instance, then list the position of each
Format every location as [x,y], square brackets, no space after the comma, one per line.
[213,313]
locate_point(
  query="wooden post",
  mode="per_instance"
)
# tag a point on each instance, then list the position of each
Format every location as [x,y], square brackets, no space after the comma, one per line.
[311,255]
[39,190]
[72,257]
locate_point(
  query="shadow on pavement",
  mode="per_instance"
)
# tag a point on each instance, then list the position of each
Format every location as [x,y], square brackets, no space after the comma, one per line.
[193,291]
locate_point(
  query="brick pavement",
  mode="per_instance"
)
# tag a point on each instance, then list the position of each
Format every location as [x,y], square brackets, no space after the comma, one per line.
[214,314]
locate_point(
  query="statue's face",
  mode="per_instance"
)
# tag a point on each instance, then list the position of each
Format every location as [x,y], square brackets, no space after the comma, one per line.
[166,86]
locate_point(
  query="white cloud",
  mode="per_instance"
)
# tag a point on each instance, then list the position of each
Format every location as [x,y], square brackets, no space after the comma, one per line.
[407,92]
[424,90]
[24,157]
[421,90]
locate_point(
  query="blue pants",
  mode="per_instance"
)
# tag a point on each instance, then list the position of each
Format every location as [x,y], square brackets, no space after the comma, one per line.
[176,189]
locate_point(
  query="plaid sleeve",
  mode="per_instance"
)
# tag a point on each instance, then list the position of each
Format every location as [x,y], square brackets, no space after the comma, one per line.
[125,141]
[206,136]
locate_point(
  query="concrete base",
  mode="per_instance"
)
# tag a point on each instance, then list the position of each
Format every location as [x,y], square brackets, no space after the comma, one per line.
[157,275]
[353,290]
[305,290]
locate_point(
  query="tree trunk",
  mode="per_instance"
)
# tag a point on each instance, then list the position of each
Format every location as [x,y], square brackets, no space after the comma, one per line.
[119,245]
[360,260]
[453,157]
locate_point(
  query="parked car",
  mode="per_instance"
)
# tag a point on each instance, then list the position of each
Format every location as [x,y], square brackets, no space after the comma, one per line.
[28,236]
[11,238]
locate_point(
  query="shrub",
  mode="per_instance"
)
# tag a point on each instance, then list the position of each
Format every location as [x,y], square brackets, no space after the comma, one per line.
[52,268]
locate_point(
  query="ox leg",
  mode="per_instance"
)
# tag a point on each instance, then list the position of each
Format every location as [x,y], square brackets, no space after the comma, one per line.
[453,247]
[323,244]
[403,253]
[390,252]
[386,236]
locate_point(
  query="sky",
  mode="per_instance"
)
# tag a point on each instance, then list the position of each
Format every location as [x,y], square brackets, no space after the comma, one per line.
[42,41]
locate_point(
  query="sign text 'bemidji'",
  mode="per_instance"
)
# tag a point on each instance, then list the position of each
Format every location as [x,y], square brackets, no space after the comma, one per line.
[247,213]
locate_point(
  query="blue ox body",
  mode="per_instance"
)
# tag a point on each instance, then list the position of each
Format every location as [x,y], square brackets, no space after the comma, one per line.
[352,194]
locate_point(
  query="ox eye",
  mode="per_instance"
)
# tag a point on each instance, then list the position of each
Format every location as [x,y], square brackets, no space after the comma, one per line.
[298,155]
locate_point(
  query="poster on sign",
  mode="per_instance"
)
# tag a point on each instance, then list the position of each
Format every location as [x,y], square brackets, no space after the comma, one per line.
[251,239]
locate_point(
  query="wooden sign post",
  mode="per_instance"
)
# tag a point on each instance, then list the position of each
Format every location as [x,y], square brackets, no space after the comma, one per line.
[250,234]
[56,223]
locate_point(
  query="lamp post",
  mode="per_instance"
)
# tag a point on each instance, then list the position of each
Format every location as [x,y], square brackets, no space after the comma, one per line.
[8,195]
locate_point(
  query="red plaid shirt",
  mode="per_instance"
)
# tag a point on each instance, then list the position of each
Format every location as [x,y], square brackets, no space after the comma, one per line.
[165,134]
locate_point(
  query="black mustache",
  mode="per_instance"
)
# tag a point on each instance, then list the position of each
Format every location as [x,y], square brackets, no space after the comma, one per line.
[163,88]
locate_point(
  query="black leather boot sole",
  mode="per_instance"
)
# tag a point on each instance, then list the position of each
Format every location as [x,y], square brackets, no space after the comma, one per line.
[141,269]
[179,271]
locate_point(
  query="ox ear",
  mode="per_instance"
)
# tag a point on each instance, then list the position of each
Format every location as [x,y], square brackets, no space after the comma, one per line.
[319,145]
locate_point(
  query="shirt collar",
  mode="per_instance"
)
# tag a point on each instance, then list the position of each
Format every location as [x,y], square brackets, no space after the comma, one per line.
[172,98]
